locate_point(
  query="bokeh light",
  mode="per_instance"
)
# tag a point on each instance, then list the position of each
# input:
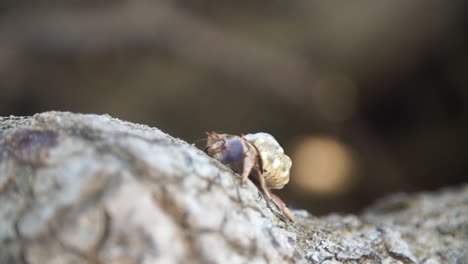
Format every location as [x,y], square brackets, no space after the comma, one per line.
[323,166]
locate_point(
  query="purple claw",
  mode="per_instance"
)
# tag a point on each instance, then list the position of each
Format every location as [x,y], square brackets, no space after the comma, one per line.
[233,152]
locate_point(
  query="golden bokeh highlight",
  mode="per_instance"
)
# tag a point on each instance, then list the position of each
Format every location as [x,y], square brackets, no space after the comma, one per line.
[323,166]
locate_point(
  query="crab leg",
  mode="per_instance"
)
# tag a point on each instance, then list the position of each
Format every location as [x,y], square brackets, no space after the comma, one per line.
[282,206]
[262,182]
[249,162]
[278,202]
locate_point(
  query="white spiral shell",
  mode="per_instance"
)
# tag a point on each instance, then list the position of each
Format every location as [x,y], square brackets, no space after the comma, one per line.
[275,164]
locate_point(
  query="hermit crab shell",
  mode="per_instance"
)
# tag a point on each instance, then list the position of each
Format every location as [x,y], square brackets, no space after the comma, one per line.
[275,164]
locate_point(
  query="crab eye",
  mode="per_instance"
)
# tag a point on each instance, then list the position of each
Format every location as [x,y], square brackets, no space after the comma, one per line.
[234,151]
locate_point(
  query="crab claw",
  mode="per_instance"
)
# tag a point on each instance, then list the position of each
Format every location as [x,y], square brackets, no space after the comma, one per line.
[282,206]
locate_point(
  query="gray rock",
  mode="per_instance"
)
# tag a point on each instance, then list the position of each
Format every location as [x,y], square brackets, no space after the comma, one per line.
[93,189]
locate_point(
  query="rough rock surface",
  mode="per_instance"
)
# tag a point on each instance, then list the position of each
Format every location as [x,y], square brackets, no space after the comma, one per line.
[93,189]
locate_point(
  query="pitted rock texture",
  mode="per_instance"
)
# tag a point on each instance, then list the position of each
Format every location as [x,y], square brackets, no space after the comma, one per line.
[93,189]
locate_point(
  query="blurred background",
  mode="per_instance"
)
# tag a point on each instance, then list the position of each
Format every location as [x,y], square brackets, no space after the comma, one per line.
[367,97]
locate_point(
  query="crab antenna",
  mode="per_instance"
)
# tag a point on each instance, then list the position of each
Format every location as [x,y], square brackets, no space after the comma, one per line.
[215,132]
[199,140]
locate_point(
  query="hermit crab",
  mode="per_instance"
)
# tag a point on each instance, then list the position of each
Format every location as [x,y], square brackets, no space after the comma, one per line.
[257,155]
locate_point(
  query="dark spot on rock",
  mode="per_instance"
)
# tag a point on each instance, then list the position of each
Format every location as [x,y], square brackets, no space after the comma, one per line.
[32,146]
[188,160]
[3,151]
[292,241]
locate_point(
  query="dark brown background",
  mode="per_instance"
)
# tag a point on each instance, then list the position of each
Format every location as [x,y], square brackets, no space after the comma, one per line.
[367,97]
